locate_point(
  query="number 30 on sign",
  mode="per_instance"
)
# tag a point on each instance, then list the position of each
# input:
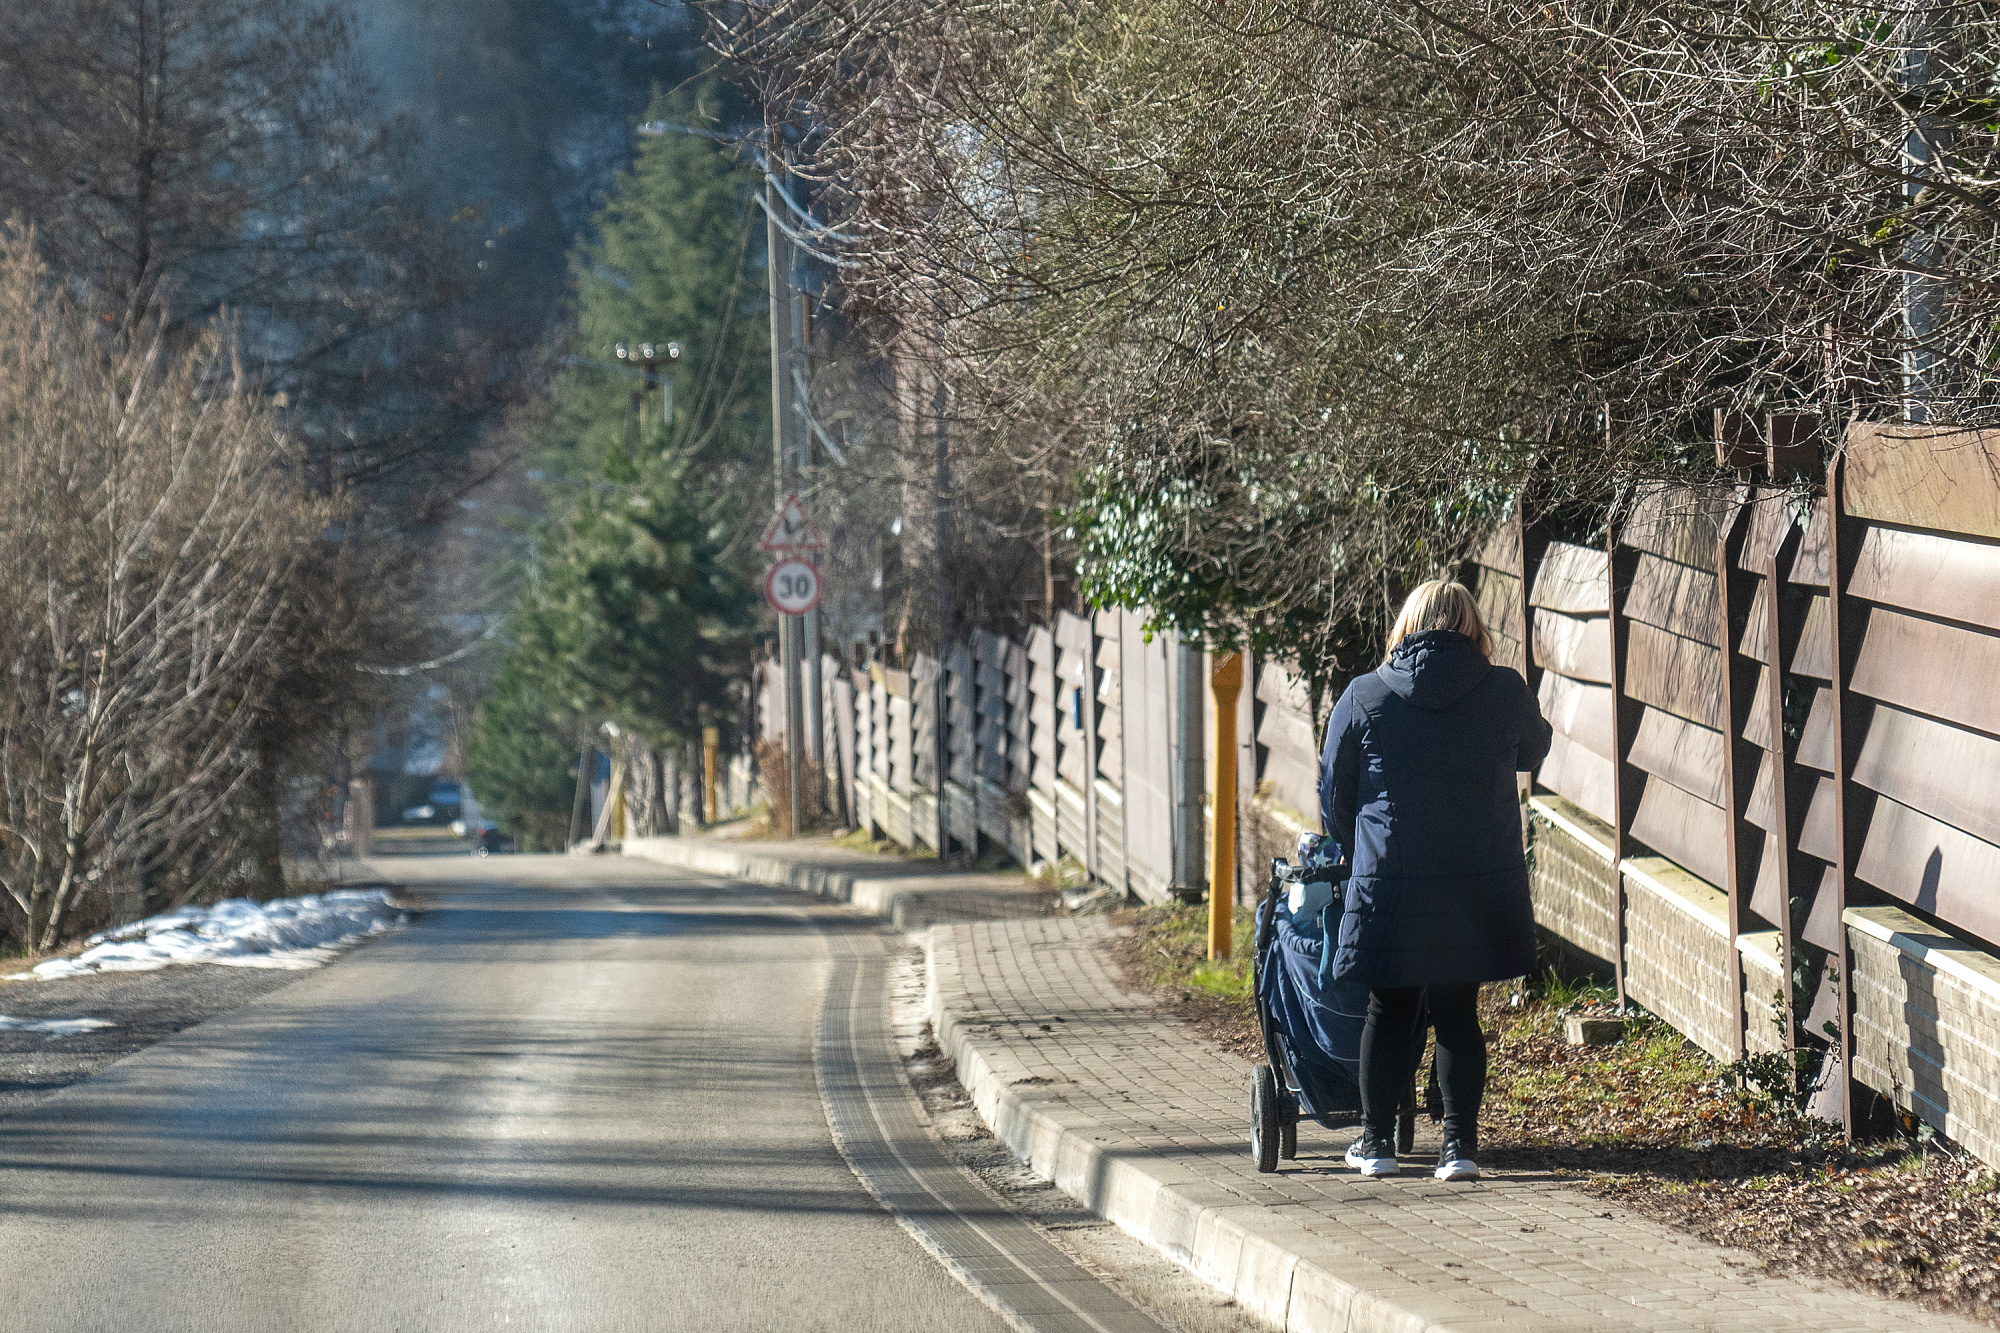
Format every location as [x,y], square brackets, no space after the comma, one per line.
[792,587]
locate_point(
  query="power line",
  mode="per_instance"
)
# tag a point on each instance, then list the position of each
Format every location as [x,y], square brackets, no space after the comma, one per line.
[435,662]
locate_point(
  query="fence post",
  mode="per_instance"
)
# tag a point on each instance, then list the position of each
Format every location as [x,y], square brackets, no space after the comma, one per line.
[1531,543]
[1186,747]
[1739,775]
[1849,824]
[1225,680]
[1619,567]
[1780,637]
[1087,706]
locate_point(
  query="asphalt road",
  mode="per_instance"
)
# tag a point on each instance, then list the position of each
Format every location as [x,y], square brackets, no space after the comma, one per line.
[578,1094]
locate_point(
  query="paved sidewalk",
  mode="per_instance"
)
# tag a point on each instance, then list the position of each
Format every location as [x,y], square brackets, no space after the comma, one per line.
[1122,1106]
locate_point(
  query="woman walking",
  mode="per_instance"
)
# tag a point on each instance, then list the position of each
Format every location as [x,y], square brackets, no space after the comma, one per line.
[1417,781]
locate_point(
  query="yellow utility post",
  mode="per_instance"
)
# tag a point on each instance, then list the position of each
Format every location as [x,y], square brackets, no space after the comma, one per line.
[1225,682]
[711,741]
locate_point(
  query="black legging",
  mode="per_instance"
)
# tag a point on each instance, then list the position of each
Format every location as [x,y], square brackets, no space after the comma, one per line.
[1388,1052]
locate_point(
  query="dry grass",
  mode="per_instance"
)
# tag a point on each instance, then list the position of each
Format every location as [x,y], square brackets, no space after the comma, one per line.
[1165,950]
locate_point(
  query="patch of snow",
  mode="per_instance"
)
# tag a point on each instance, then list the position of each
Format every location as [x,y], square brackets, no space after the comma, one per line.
[302,932]
[55,1027]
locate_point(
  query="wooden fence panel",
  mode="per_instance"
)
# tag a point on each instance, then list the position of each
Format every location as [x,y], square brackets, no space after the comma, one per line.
[1105,799]
[1810,567]
[1291,759]
[1499,598]
[1946,772]
[1923,477]
[1042,710]
[1574,580]
[1579,711]
[882,725]
[1930,574]
[928,806]
[1815,653]
[1072,672]
[961,726]
[902,776]
[1929,667]
[1014,665]
[1677,674]
[770,704]
[1684,753]
[1932,866]
[864,725]
[1110,699]
[1575,647]
[1041,652]
[1683,828]
[1499,585]
[991,736]
[840,721]
[1674,597]
[1578,774]
[1076,758]
[1772,524]
[1679,523]
[924,722]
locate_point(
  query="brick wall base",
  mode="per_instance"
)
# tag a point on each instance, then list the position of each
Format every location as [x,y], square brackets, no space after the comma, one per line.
[1926,1004]
[1927,1024]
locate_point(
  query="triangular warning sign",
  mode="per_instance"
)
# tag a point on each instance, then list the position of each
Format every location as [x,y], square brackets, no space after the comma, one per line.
[792,529]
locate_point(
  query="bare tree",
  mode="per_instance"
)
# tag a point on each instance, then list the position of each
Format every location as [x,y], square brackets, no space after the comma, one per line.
[153,537]
[1316,289]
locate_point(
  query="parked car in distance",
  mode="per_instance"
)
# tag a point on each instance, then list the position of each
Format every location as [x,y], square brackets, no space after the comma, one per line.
[443,806]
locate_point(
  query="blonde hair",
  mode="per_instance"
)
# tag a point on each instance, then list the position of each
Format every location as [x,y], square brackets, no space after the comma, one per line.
[1440,605]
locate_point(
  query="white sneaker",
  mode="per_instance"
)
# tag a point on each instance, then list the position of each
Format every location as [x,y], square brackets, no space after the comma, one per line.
[1455,1162]
[1371,1156]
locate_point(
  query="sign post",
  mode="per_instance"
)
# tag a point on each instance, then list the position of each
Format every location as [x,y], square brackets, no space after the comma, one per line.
[792,587]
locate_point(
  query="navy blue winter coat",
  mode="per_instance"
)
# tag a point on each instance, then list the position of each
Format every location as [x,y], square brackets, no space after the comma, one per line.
[1418,782]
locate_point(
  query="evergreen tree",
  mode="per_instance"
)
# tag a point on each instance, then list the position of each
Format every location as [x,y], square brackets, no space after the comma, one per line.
[642,607]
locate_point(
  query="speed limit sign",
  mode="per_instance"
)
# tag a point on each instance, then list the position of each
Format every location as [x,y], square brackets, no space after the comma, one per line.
[792,587]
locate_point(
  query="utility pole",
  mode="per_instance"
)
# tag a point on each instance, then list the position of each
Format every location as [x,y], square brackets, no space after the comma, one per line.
[784,445]
[941,754]
[809,622]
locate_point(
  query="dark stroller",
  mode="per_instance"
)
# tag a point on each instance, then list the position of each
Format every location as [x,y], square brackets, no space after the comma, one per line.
[1312,1033]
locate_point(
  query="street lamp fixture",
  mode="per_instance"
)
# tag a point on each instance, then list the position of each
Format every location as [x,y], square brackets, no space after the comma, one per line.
[647,357]
[648,354]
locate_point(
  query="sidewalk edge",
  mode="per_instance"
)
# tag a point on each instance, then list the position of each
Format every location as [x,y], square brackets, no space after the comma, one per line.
[889,897]
[1239,1248]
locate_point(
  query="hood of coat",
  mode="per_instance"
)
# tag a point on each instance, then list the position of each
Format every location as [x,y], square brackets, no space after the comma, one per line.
[1434,669]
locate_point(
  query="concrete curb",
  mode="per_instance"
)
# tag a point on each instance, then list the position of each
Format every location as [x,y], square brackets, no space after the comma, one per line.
[1281,1270]
[909,898]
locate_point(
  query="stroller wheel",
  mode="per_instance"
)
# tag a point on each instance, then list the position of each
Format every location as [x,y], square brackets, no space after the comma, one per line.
[1266,1118]
[1288,1137]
